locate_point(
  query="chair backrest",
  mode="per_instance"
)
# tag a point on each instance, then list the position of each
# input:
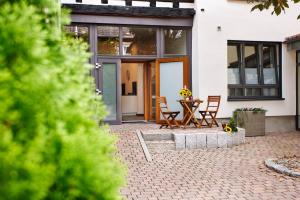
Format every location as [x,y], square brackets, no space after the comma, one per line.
[213,103]
[163,105]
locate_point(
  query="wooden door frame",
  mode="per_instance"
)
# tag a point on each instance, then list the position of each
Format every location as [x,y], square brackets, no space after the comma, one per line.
[297,92]
[146,91]
[186,81]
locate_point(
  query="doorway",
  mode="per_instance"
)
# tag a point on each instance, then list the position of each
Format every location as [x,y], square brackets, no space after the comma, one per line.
[129,88]
[143,82]
[132,87]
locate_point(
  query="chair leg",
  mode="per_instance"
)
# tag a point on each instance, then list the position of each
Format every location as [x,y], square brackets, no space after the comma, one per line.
[203,114]
[213,119]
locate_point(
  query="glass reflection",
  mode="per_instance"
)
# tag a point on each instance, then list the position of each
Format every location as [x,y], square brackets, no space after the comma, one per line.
[108,40]
[175,41]
[139,41]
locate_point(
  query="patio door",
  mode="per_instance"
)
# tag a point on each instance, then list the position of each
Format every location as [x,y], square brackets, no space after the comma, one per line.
[108,83]
[172,74]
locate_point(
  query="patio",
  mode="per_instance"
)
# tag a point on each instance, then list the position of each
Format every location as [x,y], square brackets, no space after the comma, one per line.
[235,173]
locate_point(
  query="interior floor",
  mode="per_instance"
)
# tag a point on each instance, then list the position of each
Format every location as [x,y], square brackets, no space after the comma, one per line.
[132,118]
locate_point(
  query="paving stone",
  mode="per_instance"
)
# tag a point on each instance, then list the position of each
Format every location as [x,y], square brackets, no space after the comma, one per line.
[229,140]
[223,173]
[222,140]
[179,141]
[212,140]
[201,140]
[191,141]
[242,135]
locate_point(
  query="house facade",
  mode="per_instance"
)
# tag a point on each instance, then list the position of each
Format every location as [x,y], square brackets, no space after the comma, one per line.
[145,49]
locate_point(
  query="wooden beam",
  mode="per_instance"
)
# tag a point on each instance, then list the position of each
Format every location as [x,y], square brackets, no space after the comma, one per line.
[128,2]
[133,11]
[175,3]
[181,1]
[152,3]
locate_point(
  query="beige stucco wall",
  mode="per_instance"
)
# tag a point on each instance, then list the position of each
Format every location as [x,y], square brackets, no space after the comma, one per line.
[238,23]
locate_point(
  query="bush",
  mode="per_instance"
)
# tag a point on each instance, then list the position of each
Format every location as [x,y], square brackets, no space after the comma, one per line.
[51,147]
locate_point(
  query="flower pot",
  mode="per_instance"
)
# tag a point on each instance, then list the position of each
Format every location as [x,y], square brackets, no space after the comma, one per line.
[252,122]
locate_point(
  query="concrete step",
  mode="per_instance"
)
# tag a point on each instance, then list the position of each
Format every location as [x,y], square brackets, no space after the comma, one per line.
[160,146]
[158,136]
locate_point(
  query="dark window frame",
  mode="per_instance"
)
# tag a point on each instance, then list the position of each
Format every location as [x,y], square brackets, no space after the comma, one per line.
[241,62]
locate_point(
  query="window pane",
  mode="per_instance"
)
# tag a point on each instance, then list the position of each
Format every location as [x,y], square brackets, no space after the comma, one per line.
[233,72]
[139,41]
[110,90]
[175,41]
[270,92]
[108,40]
[78,32]
[269,64]
[169,87]
[252,92]
[235,92]
[251,64]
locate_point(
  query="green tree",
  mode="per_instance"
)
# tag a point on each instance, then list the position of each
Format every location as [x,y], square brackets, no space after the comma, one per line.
[277,6]
[51,146]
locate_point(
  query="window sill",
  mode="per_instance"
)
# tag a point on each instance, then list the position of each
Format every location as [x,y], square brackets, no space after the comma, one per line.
[256,99]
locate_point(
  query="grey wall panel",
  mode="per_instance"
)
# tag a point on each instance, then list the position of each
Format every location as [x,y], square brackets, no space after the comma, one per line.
[78,18]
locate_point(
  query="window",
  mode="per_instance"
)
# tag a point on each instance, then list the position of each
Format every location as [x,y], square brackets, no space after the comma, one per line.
[78,31]
[253,70]
[108,40]
[175,41]
[139,41]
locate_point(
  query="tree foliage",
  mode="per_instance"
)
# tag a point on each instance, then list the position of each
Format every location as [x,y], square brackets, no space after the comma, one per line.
[51,147]
[277,6]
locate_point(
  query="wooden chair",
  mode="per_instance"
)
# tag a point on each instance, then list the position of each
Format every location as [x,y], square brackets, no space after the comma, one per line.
[169,116]
[213,104]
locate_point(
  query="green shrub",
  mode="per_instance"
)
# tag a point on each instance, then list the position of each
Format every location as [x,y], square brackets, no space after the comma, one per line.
[51,146]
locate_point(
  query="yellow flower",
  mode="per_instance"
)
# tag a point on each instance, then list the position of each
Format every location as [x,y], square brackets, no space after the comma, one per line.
[228,129]
[185,92]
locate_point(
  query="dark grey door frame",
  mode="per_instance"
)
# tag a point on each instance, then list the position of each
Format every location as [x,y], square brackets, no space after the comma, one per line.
[100,62]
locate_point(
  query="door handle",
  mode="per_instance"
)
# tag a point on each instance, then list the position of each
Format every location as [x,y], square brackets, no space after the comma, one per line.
[98,65]
[98,92]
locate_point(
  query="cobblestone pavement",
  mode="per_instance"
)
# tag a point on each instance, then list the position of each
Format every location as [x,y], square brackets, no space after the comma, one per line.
[236,173]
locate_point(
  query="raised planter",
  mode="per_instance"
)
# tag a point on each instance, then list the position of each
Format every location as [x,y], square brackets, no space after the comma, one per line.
[252,121]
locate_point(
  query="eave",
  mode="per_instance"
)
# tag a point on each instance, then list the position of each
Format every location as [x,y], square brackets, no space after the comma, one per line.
[130,11]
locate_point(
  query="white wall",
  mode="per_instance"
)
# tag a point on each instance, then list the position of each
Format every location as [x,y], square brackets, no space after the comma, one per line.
[238,23]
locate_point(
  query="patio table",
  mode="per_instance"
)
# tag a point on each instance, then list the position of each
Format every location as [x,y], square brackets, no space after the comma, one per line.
[190,107]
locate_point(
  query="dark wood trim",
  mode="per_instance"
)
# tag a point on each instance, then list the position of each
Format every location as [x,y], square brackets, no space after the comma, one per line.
[130,11]
[128,2]
[152,3]
[181,1]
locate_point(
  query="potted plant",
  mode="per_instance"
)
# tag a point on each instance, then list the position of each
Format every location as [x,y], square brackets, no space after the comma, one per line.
[252,120]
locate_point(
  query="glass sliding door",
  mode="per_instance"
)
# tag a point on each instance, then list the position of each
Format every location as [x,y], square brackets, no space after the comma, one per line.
[171,76]
[109,87]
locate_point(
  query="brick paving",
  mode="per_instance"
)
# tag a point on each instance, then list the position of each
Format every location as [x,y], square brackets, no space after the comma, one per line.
[236,173]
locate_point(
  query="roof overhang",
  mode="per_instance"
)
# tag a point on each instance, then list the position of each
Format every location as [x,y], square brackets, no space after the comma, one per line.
[130,11]
[293,42]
